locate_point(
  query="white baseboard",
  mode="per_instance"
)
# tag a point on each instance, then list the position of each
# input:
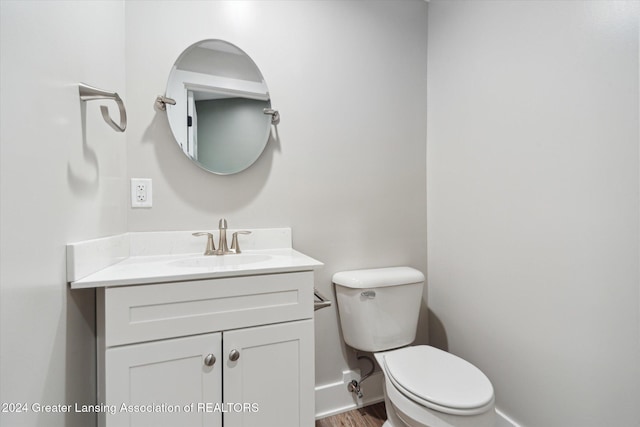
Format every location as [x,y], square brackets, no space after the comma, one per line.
[334,398]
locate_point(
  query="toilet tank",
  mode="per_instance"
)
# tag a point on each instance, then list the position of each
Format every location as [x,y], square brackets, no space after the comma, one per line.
[379,307]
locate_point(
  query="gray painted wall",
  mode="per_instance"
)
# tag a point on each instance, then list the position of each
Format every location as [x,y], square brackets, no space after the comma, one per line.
[345,168]
[533,173]
[62,179]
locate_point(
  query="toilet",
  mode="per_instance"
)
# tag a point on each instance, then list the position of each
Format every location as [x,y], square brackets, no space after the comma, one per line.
[424,386]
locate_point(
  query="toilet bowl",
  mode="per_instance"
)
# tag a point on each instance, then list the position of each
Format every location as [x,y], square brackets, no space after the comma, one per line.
[424,386]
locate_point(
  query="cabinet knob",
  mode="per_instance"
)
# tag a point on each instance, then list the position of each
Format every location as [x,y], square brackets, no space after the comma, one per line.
[210,360]
[234,355]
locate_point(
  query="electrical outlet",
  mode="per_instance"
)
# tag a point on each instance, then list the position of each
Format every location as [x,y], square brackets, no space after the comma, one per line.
[141,193]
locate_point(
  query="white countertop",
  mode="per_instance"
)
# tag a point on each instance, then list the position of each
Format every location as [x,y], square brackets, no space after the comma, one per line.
[172,268]
[159,257]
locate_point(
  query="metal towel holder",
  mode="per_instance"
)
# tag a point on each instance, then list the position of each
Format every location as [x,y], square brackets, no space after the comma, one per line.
[90,93]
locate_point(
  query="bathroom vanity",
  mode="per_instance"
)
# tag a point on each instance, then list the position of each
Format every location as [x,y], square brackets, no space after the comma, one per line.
[192,340]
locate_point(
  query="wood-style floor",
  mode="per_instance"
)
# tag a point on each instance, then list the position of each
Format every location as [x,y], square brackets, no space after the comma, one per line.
[369,416]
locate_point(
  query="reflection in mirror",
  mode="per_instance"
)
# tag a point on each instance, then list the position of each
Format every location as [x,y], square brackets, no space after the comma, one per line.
[218,119]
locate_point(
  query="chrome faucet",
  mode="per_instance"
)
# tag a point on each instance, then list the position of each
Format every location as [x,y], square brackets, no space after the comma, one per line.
[222,242]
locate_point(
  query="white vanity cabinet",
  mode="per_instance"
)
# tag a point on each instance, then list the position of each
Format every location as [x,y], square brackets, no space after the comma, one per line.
[171,373]
[275,370]
[233,351]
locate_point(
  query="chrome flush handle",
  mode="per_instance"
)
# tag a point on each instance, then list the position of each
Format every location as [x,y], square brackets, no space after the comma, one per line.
[368,294]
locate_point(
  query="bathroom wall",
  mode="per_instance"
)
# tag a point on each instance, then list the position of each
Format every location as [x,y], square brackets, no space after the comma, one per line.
[345,168]
[533,184]
[62,174]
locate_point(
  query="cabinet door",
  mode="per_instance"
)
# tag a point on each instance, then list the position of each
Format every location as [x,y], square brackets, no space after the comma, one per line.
[271,384]
[170,381]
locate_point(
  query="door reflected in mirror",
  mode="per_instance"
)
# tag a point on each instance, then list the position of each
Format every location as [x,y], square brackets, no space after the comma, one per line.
[218,119]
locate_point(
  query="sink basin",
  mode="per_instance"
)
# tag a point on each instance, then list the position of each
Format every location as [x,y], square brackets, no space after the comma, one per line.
[222,261]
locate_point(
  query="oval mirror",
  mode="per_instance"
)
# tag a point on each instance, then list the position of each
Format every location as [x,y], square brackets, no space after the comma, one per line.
[218,119]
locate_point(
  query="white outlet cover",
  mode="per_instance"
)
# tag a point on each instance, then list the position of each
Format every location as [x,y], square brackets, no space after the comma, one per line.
[143,187]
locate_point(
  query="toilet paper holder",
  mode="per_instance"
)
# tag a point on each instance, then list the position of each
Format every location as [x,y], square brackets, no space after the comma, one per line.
[321,301]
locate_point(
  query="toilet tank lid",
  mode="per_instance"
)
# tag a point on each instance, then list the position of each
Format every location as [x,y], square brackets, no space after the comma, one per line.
[378,277]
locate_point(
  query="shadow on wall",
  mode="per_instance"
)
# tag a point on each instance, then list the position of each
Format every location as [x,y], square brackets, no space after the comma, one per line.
[422,331]
[437,333]
[83,177]
[187,181]
[80,362]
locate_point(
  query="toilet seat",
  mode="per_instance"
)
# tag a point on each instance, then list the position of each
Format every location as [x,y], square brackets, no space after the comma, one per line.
[439,380]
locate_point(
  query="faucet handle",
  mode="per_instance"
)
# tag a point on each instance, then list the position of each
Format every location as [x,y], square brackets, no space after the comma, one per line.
[211,247]
[234,241]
